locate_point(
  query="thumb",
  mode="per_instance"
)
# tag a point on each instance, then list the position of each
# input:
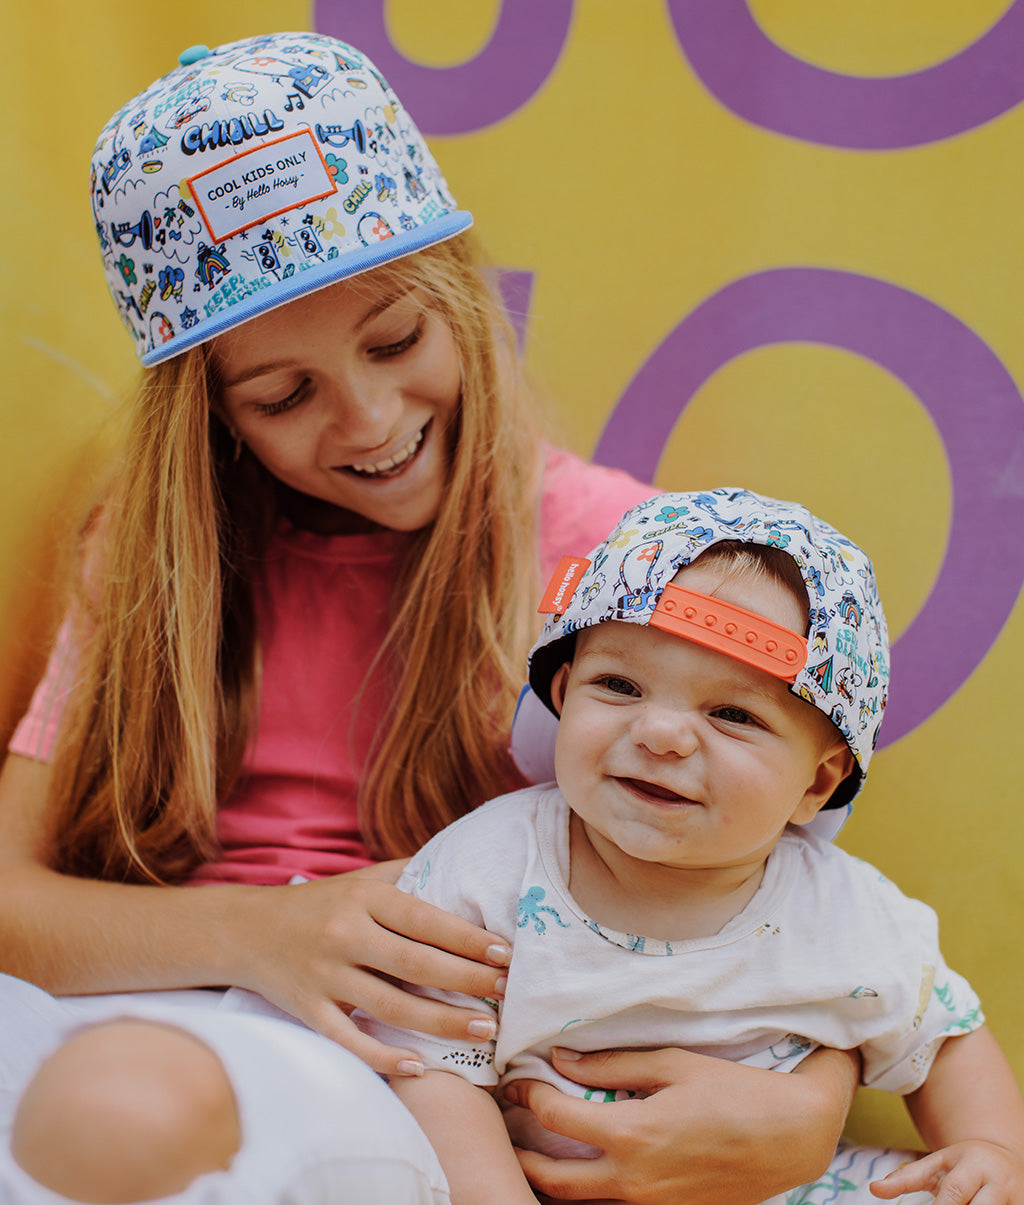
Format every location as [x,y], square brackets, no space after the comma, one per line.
[646,1071]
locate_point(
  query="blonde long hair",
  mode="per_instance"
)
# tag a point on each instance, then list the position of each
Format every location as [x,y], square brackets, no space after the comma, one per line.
[156,731]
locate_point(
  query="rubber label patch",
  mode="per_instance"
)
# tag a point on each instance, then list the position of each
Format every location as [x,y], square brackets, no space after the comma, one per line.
[260,183]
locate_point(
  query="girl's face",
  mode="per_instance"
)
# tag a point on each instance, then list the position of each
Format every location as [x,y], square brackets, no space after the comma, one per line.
[349,401]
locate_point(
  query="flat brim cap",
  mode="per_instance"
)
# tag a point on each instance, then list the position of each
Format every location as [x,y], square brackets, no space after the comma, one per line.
[253,174]
[846,673]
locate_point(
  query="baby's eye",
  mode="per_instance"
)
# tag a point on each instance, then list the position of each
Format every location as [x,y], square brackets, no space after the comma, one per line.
[618,686]
[734,715]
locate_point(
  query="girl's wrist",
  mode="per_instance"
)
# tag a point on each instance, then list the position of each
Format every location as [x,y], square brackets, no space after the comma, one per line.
[239,919]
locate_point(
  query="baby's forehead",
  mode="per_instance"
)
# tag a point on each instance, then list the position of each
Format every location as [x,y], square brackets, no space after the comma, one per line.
[651,649]
[747,585]
[649,654]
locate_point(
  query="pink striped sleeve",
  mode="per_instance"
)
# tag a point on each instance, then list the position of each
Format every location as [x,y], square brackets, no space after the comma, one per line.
[36,735]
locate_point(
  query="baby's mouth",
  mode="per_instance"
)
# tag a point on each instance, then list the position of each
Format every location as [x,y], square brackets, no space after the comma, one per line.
[392,465]
[652,790]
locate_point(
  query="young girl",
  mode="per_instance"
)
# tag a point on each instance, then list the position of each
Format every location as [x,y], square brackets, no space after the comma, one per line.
[332,498]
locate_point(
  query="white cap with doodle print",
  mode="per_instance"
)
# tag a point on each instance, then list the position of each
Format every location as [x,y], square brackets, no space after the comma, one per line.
[840,666]
[252,174]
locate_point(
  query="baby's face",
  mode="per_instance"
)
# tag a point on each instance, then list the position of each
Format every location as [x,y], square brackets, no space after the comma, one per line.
[673,753]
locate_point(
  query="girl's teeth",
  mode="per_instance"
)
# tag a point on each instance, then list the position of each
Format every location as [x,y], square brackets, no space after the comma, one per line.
[400,457]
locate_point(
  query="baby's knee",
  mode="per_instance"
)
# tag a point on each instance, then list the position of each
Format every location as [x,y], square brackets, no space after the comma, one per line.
[126,1111]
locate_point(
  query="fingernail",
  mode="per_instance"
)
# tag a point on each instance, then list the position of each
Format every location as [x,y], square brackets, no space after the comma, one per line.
[500,986]
[512,1094]
[410,1067]
[566,1055]
[499,955]
[482,1029]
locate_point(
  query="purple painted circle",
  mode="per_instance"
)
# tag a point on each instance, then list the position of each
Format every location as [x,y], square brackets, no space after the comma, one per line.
[762,83]
[970,396]
[518,58]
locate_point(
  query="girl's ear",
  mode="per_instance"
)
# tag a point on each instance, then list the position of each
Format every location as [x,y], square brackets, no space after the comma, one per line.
[558,684]
[835,765]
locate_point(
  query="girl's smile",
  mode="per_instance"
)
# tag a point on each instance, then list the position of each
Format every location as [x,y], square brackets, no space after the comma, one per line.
[393,465]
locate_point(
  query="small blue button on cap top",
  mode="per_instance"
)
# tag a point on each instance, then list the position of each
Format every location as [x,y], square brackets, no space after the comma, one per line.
[193,55]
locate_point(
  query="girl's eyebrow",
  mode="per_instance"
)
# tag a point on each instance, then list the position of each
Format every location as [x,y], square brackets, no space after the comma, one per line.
[259,370]
[379,307]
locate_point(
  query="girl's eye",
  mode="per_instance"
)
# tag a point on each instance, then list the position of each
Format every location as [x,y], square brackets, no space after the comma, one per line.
[387,350]
[286,403]
[619,686]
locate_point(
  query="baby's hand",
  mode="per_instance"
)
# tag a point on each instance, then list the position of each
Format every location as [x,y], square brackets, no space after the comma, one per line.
[983,1172]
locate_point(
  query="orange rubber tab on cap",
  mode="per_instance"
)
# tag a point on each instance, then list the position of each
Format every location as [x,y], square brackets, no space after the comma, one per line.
[562,586]
[731,630]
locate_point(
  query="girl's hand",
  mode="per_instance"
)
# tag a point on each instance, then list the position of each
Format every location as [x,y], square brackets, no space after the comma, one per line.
[709,1132]
[984,1172]
[321,949]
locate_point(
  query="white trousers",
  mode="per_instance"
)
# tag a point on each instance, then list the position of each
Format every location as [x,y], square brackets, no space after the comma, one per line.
[318,1126]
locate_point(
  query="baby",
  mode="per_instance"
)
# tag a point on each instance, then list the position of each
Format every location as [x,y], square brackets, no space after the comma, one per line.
[720,668]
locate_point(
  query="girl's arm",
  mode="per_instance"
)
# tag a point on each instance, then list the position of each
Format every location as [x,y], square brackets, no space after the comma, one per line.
[316,950]
[711,1132]
[970,1114]
[465,1128]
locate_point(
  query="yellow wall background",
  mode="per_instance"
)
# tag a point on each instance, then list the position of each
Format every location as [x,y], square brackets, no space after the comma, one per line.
[631,194]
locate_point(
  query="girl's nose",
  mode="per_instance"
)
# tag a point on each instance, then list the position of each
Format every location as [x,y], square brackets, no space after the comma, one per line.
[364,416]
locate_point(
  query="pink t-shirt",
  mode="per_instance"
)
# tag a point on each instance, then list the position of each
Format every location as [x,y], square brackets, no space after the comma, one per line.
[322,607]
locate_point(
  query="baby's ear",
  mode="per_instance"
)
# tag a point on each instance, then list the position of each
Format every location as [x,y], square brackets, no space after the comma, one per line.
[558,684]
[836,765]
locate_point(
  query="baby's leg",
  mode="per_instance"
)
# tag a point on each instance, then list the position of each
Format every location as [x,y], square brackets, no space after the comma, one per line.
[464,1123]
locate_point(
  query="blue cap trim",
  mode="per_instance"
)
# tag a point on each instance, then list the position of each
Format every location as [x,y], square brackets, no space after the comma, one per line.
[352,263]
